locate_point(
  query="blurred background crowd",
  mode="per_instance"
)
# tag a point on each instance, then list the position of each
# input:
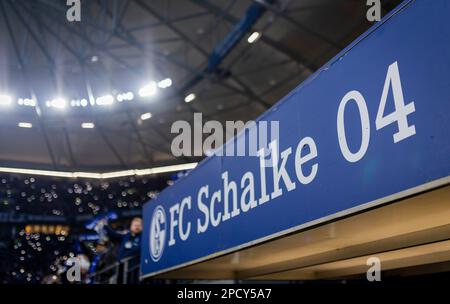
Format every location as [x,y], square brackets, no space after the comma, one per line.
[48,223]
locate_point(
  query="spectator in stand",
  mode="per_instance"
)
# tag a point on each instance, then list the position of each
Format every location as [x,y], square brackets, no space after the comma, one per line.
[130,246]
[130,242]
[33,255]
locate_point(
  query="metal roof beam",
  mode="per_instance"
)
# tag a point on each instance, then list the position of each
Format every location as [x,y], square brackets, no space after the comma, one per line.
[273,44]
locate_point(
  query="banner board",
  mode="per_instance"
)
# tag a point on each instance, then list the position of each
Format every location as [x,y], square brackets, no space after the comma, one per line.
[370,127]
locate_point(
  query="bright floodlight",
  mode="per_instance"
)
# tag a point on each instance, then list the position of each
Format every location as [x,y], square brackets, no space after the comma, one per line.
[5,100]
[84,102]
[29,102]
[253,37]
[146,116]
[189,97]
[148,90]
[58,102]
[104,100]
[125,96]
[165,83]
[129,96]
[27,125]
[88,125]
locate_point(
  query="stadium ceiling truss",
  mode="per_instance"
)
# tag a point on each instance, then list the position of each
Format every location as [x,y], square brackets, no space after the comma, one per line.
[200,44]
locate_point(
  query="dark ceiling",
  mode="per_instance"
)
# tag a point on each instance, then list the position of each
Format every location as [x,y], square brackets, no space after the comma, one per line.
[120,46]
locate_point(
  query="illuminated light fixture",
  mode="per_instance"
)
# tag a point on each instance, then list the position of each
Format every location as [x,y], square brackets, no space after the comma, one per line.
[26,102]
[104,100]
[5,100]
[79,102]
[88,125]
[189,97]
[253,37]
[116,174]
[146,116]
[29,102]
[125,96]
[27,125]
[129,96]
[148,90]
[95,175]
[59,103]
[166,169]
[165,83]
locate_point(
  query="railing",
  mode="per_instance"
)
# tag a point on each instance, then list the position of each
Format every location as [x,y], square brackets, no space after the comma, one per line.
[126,271]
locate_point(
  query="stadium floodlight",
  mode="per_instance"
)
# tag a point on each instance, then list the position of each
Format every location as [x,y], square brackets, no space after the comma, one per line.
[146,116]
[125,96]
[88,125]
[59,103]
[5,100]
[253,37]
[104,100]
[129,96]
[29,102]
[148,90]
[84,102]
[27,125]
[190,97]
[165,83]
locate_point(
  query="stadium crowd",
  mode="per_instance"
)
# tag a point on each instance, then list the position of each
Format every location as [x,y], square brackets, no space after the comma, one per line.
[42,252]
[53,196]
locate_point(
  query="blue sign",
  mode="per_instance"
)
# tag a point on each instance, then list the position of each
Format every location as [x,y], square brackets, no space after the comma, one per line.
[370,127]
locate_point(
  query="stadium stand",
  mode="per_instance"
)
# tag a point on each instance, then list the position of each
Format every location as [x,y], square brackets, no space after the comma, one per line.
[53,212]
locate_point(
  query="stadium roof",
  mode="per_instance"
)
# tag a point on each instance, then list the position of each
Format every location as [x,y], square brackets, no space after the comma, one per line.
[122,46]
